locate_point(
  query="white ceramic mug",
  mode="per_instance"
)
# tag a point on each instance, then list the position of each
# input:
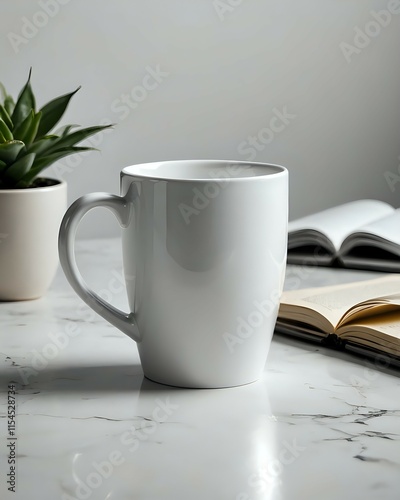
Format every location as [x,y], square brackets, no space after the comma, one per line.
[206,243]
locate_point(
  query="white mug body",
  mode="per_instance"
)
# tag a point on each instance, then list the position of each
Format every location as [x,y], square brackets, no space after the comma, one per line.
[204,251]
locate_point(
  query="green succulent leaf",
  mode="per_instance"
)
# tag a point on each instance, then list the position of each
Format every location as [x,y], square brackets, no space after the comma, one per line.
[53,111]
[27,145]
[6,117]
[3,91]
[7,99]
[44,162]
[77,136]
[26,128]
[18,169]
[31,132]
[63,131]
[9,151]
[41,146]
[25,103]
[6,132]
[9,105]
[21,129]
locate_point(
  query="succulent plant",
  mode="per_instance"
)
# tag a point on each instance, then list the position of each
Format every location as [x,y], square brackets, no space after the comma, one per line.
[27,145]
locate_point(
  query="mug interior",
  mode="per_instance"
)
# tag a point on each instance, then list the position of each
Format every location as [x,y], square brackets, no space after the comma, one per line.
[203,170]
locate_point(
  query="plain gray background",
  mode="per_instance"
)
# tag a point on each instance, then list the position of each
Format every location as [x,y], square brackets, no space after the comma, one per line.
[201,78]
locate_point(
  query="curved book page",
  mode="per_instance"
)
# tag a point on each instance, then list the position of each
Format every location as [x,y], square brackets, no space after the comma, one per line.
[335,224]
[327,308]
[375,245]
[380,333]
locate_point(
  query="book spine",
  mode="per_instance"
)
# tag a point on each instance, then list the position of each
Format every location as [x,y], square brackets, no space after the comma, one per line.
[333,341]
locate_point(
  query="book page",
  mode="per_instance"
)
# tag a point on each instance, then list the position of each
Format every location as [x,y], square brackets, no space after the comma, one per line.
[386,229]
[378,306]
[312,305]
[381,332]
[338,222]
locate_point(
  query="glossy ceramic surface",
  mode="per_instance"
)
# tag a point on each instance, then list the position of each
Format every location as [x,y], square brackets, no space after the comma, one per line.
[204,250]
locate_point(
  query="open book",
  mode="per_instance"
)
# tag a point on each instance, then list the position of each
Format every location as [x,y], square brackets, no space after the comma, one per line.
[363,317]
[363,234]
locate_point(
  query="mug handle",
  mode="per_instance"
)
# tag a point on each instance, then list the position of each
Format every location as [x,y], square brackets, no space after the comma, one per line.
[122,209]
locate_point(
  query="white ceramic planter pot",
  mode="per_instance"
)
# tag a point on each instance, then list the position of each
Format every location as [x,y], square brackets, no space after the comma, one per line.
[29,225]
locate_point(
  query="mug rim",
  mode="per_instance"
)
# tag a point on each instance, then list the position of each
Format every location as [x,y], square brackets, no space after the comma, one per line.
[279,171]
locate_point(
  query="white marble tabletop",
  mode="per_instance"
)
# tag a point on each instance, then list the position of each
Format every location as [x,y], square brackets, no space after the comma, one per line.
[319,425]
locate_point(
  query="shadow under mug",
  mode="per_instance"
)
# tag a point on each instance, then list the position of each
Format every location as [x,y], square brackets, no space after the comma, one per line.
[204,252]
